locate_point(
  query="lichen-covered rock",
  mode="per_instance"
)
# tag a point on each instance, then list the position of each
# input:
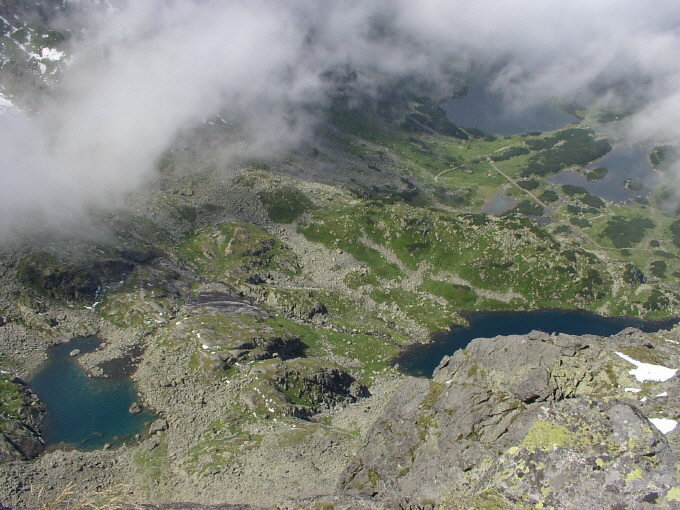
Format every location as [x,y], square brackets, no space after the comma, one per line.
[533,420]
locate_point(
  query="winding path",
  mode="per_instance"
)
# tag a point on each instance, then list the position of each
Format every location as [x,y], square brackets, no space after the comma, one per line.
[511,180]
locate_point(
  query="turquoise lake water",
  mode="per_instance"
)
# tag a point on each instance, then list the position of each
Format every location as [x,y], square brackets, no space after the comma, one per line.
[85,412]
[422,359]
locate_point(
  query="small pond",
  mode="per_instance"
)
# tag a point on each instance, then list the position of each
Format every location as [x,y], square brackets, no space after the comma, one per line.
[85,412]
[422,359]
[487,110]
[498,204]
[623,162]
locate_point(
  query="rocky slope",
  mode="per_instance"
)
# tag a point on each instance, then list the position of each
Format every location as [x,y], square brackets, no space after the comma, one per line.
[258,305]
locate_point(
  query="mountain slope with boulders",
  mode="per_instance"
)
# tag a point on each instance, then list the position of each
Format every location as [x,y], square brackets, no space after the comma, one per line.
[259,305]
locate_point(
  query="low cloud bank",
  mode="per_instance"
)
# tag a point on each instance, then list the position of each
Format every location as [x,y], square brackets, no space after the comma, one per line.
[145,71]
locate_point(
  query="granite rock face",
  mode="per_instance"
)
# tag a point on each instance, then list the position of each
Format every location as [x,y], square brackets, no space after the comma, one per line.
[539,420]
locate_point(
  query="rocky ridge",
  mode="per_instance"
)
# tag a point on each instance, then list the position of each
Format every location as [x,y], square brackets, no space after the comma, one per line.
[539,420]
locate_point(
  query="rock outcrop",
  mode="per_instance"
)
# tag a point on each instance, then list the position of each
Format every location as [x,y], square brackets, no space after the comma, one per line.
[21,420]
[300,387]
[539,420]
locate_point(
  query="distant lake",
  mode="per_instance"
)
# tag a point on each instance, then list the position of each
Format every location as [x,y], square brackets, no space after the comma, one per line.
[421,359]
[623,162]
[85,412]
[488,111]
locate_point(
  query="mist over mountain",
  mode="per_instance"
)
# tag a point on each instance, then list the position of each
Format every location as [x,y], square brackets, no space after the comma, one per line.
[135,75]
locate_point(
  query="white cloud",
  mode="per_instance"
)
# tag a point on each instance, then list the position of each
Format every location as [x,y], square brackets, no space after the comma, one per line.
[145,71]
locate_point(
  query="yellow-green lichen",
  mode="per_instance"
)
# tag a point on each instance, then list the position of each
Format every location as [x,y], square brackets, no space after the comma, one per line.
[634,475]
[547,435]
[673,494]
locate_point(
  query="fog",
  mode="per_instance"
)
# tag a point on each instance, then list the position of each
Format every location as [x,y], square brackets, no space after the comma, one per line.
[143,72]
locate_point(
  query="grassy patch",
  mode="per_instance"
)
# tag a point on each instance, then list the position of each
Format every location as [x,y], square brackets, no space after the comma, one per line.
[549,196]
[460,296]
[569,147]
[528,208]
[595,174]
[626,232]
[286,204]
[231,250]
[222,442]
[11,399]
[154,466]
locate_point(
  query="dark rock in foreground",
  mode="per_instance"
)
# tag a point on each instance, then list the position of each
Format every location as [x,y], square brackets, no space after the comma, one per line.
[537,420]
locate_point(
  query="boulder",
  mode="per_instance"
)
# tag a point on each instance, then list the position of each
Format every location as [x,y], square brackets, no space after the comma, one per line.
[159,425]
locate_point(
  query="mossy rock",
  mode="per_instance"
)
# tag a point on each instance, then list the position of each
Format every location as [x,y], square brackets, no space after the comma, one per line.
[301,387]
[285,204]
[21,420]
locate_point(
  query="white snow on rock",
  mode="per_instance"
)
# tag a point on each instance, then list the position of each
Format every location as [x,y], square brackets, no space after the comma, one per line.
[648,372]
[52,54]
[664,394]
[632,390]
[665,425]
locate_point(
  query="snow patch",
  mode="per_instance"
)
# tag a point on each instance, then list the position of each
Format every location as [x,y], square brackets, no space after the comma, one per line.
[633,390]
[648,372]
[52,54]
[665,425]
[664,394]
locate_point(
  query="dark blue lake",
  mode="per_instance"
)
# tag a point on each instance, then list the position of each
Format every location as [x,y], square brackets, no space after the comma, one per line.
[623,162]
[488,111]
[421,359]
[85,412]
